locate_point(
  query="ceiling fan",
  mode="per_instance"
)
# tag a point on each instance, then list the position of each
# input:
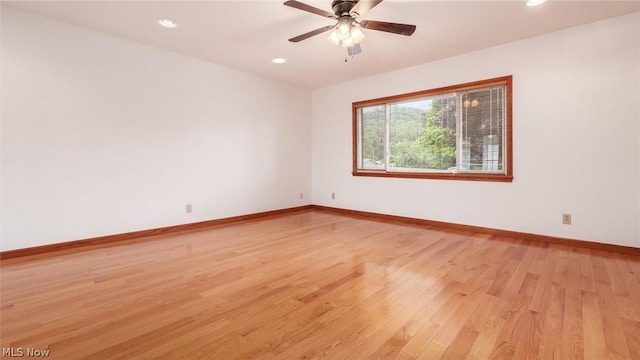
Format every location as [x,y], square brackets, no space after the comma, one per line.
[347,31]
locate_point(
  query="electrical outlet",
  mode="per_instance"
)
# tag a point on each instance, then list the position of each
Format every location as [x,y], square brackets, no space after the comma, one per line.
[188,208]
[333,196]
[566,219]
[301,196]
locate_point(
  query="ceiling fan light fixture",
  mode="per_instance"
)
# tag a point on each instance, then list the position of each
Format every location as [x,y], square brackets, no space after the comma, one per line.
[334,38]
[343,29]
[346,33]
[356,34]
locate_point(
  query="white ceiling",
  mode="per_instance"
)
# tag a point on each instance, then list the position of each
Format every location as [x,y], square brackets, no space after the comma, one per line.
[246,35]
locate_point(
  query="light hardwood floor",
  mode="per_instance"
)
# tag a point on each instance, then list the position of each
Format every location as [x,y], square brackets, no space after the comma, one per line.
[315,284]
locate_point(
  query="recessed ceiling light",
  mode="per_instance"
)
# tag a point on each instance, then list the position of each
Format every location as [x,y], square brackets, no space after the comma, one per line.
[279,60]
[535,2]
[168,23]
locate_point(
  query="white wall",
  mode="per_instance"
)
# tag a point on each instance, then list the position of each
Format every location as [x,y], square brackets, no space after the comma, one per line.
[103,136]
[576,138]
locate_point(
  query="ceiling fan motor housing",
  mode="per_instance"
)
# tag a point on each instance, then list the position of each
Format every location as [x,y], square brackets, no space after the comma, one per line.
[343,7]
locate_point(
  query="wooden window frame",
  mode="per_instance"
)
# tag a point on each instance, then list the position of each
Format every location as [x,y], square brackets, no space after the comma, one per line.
[507,176]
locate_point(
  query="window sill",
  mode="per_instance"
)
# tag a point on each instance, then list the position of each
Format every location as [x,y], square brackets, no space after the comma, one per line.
[436,176]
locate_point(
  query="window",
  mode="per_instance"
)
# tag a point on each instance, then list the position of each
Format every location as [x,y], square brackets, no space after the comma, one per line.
[460,132]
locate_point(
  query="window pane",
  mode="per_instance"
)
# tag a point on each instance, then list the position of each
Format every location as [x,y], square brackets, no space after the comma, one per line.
[422,134]
[459,132]
[371,149]
[482,125]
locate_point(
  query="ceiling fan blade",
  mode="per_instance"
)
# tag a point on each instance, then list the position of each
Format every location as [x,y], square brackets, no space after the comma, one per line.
[311,33]
[401,29]
[308,8]
[363,6]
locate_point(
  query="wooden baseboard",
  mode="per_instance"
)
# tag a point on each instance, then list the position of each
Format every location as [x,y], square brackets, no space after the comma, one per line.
[135,236]
[117,239]
[627,250]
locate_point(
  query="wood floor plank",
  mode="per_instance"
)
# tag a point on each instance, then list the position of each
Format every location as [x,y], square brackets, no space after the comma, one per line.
[587,277]
[321,285]
[517,322]
[632,335]
[594,341]
[614,334]
[466,337]
[551,325]
[572,334]
[624,300]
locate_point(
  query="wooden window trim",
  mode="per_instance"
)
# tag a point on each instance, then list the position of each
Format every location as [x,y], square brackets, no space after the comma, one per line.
[506,81]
